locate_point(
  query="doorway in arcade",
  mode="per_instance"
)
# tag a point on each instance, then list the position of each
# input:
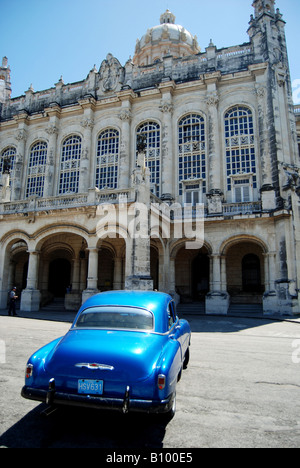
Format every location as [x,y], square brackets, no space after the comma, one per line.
[62,270]
[192,274]
[59,277]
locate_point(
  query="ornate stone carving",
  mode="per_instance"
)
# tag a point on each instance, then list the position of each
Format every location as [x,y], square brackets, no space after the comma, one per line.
[212,100]
[125,115]
[166,107]
[52,130]
[111,74]
[281,73]
[88,123]
[21,135]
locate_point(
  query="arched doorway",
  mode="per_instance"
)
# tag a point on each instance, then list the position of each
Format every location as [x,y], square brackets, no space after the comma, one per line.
[59,276]
[13,270]
[245,272]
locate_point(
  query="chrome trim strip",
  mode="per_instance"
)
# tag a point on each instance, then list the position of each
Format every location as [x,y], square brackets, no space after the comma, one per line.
[94,366]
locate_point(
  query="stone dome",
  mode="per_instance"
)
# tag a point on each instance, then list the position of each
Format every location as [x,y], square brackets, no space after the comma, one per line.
[165,39]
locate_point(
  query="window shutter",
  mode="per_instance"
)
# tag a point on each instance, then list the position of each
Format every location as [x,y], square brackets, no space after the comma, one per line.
[246,193]
[238,194]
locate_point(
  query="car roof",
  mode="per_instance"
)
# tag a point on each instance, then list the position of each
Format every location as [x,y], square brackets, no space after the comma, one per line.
[156,302]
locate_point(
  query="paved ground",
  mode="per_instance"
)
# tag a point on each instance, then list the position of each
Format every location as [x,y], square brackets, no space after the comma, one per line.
[241,390]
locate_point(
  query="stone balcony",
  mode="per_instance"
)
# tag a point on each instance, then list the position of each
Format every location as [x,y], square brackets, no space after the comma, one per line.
[35,206]
[95,197]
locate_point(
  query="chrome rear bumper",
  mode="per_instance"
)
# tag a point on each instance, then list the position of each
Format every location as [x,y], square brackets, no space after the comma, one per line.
[125,404]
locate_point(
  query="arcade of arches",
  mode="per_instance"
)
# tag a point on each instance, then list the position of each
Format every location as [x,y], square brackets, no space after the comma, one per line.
[66,264]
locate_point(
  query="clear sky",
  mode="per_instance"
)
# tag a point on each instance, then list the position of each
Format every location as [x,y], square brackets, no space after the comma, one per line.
[47,39]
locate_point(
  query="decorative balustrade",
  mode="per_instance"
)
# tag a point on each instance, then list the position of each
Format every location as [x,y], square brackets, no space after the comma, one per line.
[230,209]
[96,197]
[72,200]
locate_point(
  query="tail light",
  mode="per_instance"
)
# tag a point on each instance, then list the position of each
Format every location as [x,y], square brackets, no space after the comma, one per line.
[29,370]
[161,381]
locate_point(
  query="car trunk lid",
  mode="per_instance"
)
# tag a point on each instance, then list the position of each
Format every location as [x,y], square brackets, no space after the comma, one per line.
[112,355]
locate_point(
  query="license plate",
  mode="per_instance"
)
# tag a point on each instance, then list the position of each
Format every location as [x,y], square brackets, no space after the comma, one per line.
[90,387]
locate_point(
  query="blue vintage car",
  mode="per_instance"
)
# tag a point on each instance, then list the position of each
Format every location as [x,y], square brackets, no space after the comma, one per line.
[125,350]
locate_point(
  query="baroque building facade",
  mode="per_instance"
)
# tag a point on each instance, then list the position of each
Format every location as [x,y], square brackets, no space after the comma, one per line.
[179,131]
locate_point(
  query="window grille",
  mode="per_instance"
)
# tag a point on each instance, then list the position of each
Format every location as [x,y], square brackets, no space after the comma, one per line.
[36,169]
[240,144]
[192,150]
[70,165]
[107,160]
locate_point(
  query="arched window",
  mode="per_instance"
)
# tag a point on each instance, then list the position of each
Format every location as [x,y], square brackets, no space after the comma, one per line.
[192,158]
[7,162]
[70,165]
[36,169]
[152,159]
[107,159]
[240,153]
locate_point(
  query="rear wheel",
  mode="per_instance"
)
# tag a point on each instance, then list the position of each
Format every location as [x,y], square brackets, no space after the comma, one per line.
[186,358]
[173,407]
[171,413]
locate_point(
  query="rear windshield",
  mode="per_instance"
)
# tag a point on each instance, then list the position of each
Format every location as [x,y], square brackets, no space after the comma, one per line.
[115,317]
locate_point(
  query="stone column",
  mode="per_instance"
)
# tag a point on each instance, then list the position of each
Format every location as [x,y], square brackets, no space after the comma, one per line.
[223,274]
[118,273]
[86,171]
[5,271]
[267,190]
[83,274]
[172,278]
[270,300]
[18,176]
[214,179]
[214,150]
[73,298]
[217,300]
[126,96]
[31,296]
[138,245]
[166,108]
[52,130]
[92,279]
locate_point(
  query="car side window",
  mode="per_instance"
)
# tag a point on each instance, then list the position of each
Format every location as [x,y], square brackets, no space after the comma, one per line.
[171,315]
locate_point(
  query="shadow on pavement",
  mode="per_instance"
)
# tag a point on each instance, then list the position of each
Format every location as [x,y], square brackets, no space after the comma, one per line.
[84,428]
